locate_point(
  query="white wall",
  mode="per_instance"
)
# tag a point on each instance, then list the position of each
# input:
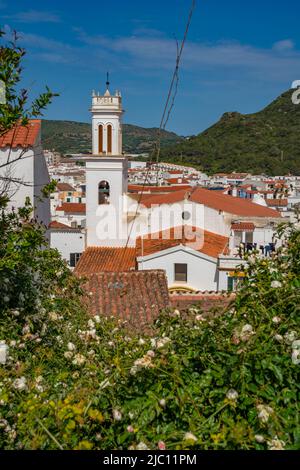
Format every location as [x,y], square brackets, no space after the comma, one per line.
[67,242]
[201,271]
[41,179]
[108,216]
[32,170]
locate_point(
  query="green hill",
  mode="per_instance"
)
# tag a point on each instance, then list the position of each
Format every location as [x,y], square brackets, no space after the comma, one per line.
[264,142]
[76,137]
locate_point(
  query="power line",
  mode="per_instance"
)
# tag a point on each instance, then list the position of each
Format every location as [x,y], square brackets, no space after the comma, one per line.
[170,101]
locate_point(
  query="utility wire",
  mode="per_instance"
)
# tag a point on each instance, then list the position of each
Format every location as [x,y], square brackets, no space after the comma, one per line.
[165,117]
[174,83]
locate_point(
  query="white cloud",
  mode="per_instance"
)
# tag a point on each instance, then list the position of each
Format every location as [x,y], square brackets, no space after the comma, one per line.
[34,16]
[285,45]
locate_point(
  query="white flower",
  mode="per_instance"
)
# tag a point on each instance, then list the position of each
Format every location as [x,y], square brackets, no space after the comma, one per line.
[3,352]
[71,347]
[162,402]
[176,313]
[91,324]
[162,342]
[141,342]
[276,284]
[276,320]
[130,429]
[26,330]
[232,394]
[296,345]
[68,354]
[296,357]
[264,412]
[53,316]
[276,444]
[20,384]
[247,332]
[273,270]
[278,338]
[189,437]
[200,318]
[131,415]
[97,318]
[151,353]
[13,343]
[117,415]
[260,439]
[111,344]
[290,337]
[142,446]
[79,360]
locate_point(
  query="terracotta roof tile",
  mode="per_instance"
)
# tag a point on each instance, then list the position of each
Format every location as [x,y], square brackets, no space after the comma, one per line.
[243,227]
[277,202]
[158,199]
[136,297]
[106,259]
[57,226]
[157,189]
[206,301]
[200,240]
[72,208]
[22,136]
[65,187]
[230,204]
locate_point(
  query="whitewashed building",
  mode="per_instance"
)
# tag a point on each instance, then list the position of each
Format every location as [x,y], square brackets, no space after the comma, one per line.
[23,169]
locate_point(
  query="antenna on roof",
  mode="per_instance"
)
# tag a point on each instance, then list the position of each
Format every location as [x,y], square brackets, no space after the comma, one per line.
[107,80]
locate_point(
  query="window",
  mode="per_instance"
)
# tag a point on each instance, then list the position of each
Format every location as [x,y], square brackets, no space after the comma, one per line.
[68,199]
[100,139]
[103,193]
[180,272]
[109,138]
[74,258]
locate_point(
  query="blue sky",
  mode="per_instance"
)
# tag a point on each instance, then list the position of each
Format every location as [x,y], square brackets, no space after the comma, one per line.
[240,55]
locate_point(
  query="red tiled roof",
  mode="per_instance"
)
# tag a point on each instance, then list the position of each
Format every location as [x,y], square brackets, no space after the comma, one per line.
[200,240]
[158,199]
[105,259]
[136,297]
[277,202]
[230,204]
[72,208]
[208,302]
[58,225]
[22,136]
[177,181]
[243,227]
[65,187]
[175,172]
[157,189]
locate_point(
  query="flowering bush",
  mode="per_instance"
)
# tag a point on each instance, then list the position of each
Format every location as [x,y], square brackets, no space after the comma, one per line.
[68,381]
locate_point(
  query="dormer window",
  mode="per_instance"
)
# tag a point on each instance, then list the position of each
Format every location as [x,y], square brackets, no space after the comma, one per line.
[103,193]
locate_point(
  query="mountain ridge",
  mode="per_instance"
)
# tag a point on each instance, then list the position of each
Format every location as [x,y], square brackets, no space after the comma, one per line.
[262,142]
[75,137]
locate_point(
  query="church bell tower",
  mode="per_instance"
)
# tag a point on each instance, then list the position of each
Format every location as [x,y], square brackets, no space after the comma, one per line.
[106,174]
[107,114]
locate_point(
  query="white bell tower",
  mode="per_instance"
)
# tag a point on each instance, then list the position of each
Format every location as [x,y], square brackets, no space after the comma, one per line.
[107,114]
[106,174]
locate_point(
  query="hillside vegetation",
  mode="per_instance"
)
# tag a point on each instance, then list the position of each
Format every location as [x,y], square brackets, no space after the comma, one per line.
[264,142]
[76,137]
